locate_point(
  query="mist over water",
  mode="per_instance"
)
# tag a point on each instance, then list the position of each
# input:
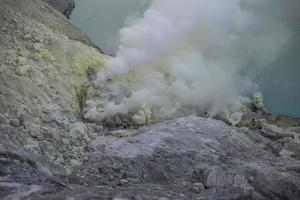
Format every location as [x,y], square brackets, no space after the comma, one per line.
[102,19]
[280,82]
[207,59]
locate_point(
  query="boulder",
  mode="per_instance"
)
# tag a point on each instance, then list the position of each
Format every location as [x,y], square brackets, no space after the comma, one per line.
[258,100]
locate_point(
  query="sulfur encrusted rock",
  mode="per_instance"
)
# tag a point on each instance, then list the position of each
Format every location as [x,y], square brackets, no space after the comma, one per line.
[142,116]
[43,59]
[139,118]
[258,100]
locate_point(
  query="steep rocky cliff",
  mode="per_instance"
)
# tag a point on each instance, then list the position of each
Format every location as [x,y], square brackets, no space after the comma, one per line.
[47,150]
[43,68]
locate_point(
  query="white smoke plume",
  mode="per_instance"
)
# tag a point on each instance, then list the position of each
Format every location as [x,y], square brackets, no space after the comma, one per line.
[187,57]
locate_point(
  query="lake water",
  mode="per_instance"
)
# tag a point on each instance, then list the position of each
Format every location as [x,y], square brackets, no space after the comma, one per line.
[102,19]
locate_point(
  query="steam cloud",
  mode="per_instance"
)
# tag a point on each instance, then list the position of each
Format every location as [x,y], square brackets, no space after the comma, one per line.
[191,57]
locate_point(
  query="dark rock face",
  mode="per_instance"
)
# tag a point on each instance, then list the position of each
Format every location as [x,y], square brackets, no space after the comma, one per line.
[63,6]
[182,155]
[188,158]
[48,152]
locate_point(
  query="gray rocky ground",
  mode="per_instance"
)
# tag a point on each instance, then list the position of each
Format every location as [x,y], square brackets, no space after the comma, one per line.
[47,150]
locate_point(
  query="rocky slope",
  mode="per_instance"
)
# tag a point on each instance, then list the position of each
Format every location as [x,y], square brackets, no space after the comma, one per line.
[43,63]
[47,151]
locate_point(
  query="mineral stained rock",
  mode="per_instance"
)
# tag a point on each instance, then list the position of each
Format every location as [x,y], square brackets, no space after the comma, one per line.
[47,151]
[258,101]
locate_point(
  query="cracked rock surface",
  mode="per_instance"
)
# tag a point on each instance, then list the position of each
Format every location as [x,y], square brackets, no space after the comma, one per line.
[187,158]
